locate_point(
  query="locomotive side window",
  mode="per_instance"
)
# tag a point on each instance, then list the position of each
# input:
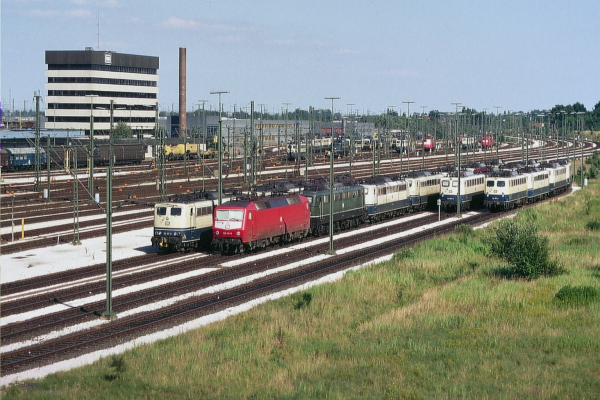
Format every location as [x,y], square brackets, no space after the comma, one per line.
[175,211]
[161,211]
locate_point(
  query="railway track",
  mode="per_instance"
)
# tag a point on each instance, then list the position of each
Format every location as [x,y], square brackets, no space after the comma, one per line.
[128,327]
[111,333]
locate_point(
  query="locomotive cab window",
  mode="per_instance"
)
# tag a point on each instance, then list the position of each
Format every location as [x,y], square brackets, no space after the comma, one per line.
[160,211]
[501,183]
[175,211]
[445,183]
[230,215]
[490,183]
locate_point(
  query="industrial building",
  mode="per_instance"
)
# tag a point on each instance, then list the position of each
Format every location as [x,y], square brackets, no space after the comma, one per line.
[80,85]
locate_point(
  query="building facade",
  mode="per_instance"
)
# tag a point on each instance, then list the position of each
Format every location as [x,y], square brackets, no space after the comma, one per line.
[81,84]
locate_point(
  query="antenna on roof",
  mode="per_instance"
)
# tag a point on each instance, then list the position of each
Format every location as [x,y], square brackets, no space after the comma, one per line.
[98,23]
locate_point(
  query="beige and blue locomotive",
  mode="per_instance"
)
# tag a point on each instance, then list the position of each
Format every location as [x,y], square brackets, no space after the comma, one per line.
[472,190]
[505,189]
[559,176]
[423,189]
[184,223]
[385,198]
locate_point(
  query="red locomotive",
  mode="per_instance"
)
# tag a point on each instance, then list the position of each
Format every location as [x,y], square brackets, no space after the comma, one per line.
[249,224]
[487,142]
[429,144]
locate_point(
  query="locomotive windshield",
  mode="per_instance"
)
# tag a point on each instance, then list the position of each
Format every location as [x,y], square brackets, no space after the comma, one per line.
[445,183]
[161,211]
[230,215]
[175,211]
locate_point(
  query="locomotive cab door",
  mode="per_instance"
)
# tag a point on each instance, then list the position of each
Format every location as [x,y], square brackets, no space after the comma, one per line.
[191,218]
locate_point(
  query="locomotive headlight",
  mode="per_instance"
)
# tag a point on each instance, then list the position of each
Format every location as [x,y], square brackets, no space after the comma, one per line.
[238,233]
[217,233]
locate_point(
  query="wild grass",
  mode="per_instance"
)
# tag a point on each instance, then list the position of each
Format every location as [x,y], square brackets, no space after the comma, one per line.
[440,320]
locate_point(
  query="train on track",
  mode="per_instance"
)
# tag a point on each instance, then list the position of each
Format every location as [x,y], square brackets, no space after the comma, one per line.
[65,157]
[513,187]
[189,151]
[249,223]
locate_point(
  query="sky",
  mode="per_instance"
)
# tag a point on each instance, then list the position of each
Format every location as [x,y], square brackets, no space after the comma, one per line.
[373,55]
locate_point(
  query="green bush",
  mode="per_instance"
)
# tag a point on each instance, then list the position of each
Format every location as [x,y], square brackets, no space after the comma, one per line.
[404,254]
[519,243]
[301,300]
[576,295]
[594,160]
[593,225]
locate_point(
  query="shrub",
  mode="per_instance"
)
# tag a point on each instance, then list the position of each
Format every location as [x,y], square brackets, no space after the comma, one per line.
[527,252]
[405,253]
[117,362]
[593,172]
[593,225]
[301,300]
[576,295]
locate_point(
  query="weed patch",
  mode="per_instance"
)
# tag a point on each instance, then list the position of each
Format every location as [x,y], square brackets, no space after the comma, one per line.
[593,225]
[576,295]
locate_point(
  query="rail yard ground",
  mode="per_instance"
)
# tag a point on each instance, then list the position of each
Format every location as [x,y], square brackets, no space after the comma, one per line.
[440,320]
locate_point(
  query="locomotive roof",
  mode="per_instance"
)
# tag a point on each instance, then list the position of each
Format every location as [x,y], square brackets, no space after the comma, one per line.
[264,203]
[504,173]
[337,187]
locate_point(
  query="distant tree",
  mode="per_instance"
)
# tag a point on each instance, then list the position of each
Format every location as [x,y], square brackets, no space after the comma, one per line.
[122,131]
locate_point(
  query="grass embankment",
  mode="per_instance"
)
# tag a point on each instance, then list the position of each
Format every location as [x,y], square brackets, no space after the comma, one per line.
[441,320]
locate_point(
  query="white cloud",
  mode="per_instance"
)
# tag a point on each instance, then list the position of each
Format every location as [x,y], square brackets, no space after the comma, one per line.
[180,23]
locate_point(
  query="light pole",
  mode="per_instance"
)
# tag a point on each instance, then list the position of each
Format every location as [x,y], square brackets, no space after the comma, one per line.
[351,139]
[331,251]
[279,134]
[219,148]
[91,153]
[109,314]
[580,129]
[458,148]
[423,146]
[261,143]
[497,126]
[203,130]
[408,103]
